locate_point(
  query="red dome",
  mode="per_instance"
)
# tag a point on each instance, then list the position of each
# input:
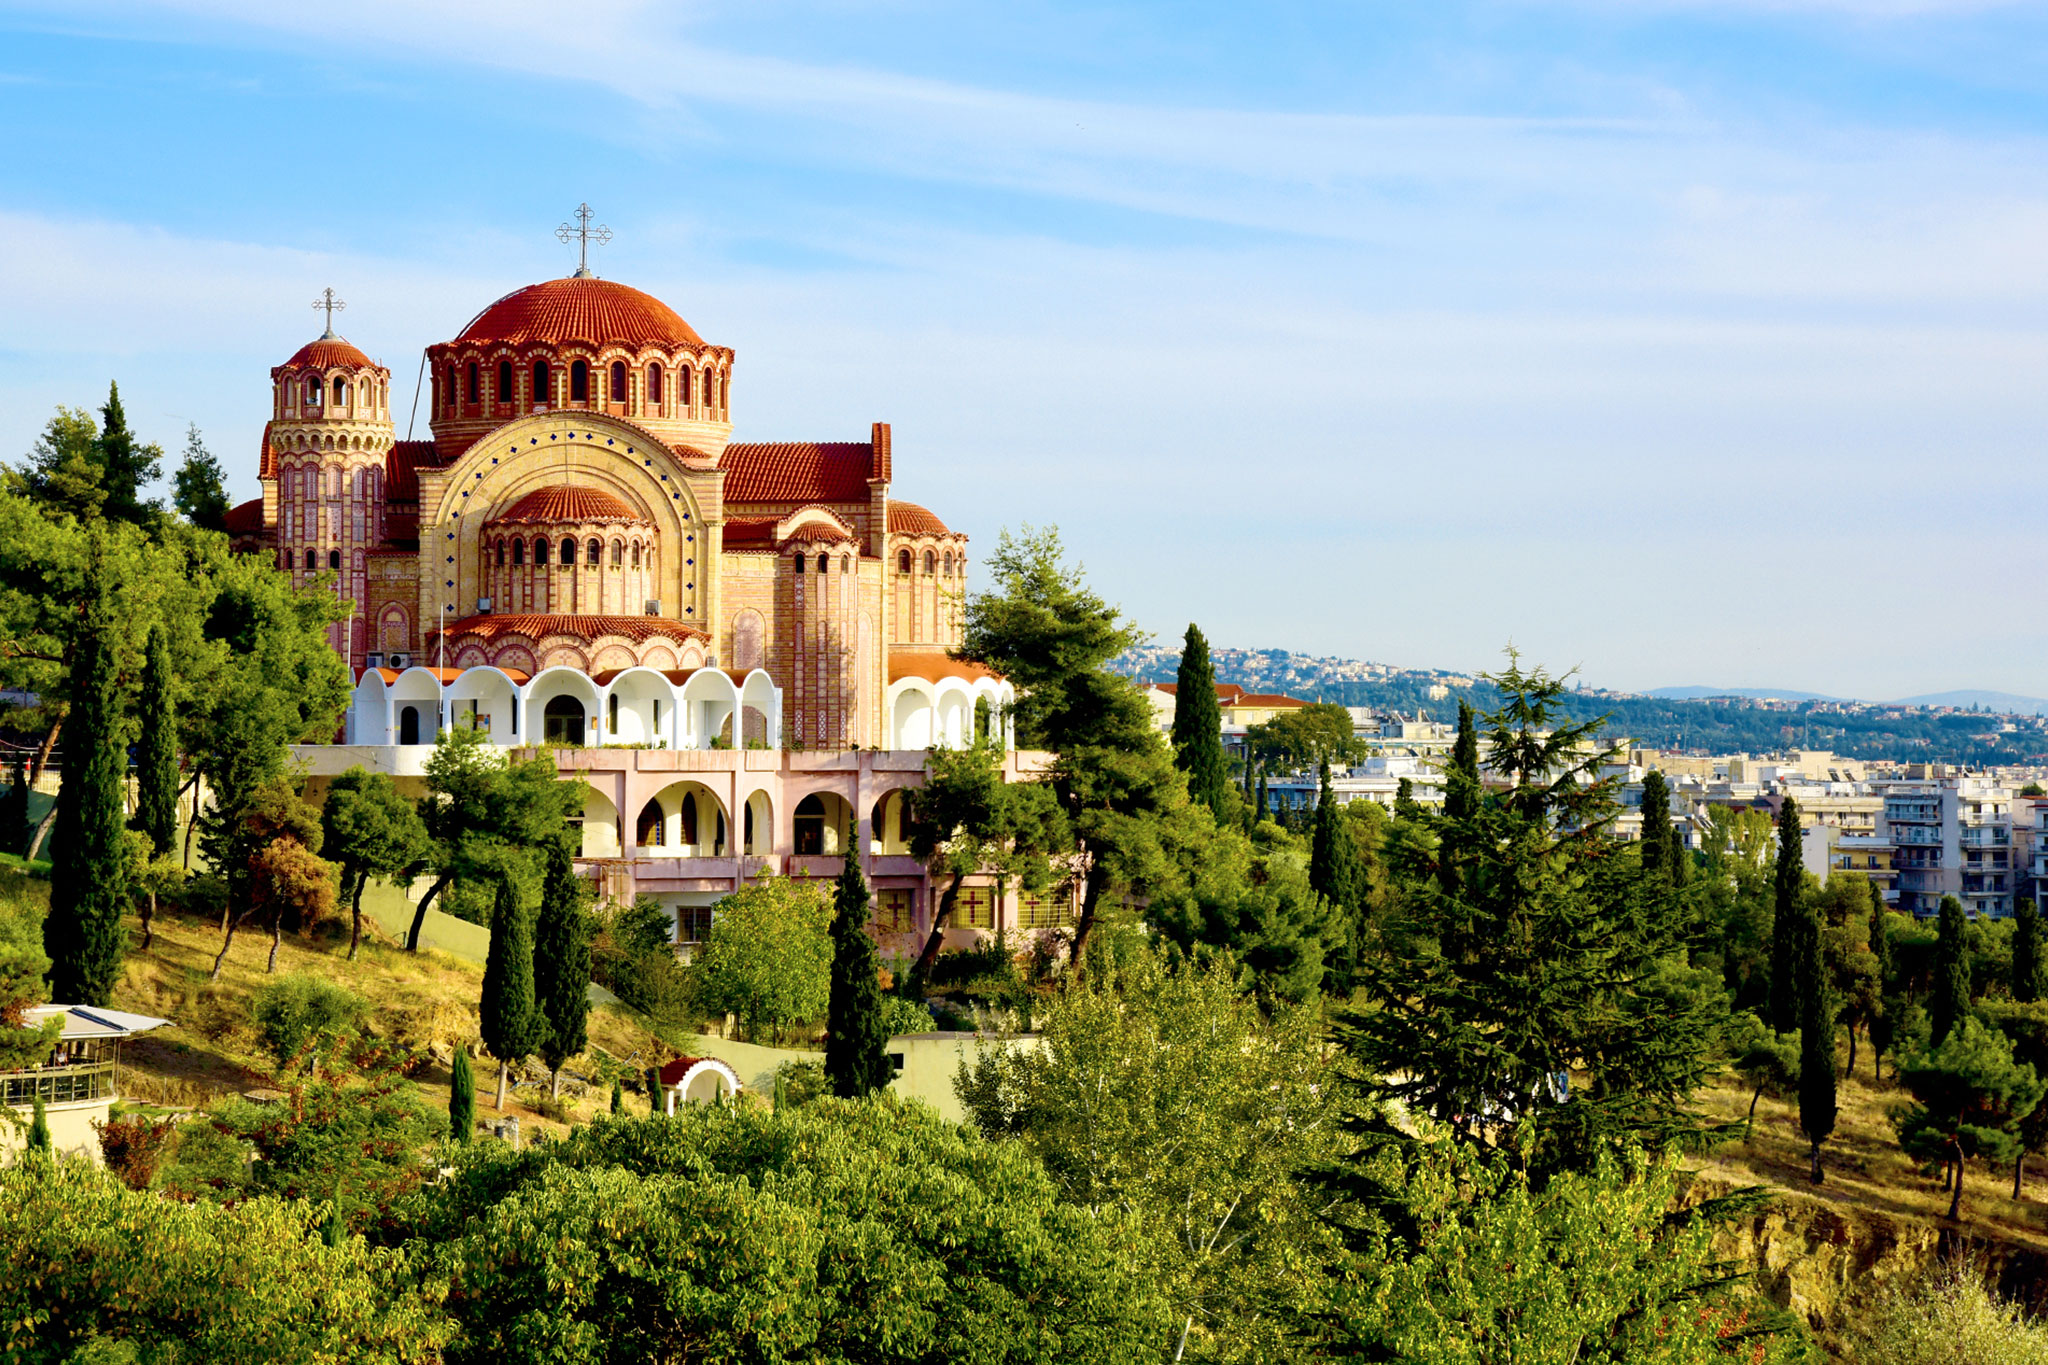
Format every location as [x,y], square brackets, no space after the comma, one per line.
[908,519]
[328,353]
[596,312]
[572,506]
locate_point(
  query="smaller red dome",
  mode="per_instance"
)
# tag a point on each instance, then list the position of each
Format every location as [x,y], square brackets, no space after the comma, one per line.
[329,353]
[908,519]
[570,506]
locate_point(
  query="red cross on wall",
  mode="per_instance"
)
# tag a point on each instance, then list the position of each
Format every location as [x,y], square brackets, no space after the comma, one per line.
[971,899]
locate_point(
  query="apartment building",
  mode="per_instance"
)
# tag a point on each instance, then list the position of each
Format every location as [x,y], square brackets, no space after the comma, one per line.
[1951,836]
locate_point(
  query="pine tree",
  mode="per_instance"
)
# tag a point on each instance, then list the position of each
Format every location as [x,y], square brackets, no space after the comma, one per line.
[39,1128]
[198,488]
[88,845]
[1816,1035]
[1463,795]
[1654,847]
[512,1025]
[1786,923]
[156,752]
[462,1098]
[856,1046]
[561,963]
[2026,951]
[16,829]
[1951,1000]
[1198,727]
[125,466]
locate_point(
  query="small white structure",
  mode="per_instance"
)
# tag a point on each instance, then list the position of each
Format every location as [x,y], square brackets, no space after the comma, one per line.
[697,1080]
[76,1083]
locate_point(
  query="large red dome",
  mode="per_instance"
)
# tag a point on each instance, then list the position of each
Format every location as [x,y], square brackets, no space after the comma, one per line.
[328,353]
[565,504]
[597,312]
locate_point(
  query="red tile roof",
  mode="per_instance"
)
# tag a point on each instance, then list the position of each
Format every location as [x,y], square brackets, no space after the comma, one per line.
[908,519]
[329,353]
[800,471]
[535,626]
[600,312]
[1227,693]
[819,533]
[1266,699]
[246,518]
[572,505]
[912,663]
[750,533]
[402,465]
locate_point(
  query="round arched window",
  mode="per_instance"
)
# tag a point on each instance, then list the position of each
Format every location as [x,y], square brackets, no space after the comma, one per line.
[903,561]
[931,561]
[568,553]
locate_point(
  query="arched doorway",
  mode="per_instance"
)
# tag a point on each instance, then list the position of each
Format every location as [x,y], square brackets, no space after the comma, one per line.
[647,831]
[409,725]
[820,823]
[562,721]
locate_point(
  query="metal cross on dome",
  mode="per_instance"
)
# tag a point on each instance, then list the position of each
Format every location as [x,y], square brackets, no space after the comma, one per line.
[332,305]
[584,234]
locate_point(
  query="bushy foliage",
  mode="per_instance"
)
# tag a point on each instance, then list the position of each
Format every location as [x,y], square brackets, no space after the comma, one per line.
[768,958]
[901,1015]
[1945,1318]
[133,1145]
[301,1010]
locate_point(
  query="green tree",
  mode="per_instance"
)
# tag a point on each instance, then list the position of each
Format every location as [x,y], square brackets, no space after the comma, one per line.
[1257,904]
[62,477]
[38,1126]
[2025,1026]
[23,965]
[2027,951]
[273,855]
[513,1026]
[462,1098]
[15,825]
[1337,874]
[198,489]
[1885,1019]
[1304,736]
[561,963]
[1654,850]
[618,1098]
[1767,1060]
[1949,1003]
[1549,958]
[156,750]
[1970,1096]
[1262,809]
[125,464]
[1171,1095]
[1198,728]
[768,957]
[1788,880]
[1817,1036]
[370,830]
[88,856]
[856,1045]
[299,1014]
[1945,1316]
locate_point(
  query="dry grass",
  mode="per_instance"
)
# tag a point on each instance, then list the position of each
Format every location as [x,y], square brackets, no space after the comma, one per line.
[424,1001]
[1863,1164]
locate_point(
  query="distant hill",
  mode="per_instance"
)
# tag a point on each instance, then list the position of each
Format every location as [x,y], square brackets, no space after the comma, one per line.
[1695,693]
[1979,700]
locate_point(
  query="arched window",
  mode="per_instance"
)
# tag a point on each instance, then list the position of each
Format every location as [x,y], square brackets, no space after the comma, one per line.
[409,725]
[593,553]
[313,388]
[611,713]
[540,552]
[476,383]
[846,563]
[363,393]
[647,830]
[949,563]
[504,394]
[931,561]
[618,381]
[450,391]
[683,387]
[654,393]
[519,551]
[810,825]
[334,559]
[618,553]
[579,382]
[568,553]
[562,721]
[689,820]
[541,392]
[824,563]
[340,392]
[311,561]
[636,554]
[724,394]
[903,561]
[501,554]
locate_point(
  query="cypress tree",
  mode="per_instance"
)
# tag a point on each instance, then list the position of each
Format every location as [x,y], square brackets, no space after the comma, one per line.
[618,1098]
[1816,1036]
[856,1048]
[1654,846]
[1250,809]
[1951,1002]
[561,964]
[462,1098]
[16,829]
[156,751]
[39,1128]
[1884,1021]
[1198,727]
[2026,951]
[83,934]
[1785,921]
[1262,811]
[1461,779]
[512,1026]
[1336,874]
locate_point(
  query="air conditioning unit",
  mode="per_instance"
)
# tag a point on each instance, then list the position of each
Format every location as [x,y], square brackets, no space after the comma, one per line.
[401,661]
[483,606]
[653,606]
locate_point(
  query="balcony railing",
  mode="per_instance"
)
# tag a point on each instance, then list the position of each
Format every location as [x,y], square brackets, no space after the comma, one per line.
[57,1085]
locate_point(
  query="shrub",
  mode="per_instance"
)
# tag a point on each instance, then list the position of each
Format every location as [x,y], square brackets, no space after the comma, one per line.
[901,1015]
[1946,1318]
[298,1011]
[798,1083]
[962,965]
[133,1145]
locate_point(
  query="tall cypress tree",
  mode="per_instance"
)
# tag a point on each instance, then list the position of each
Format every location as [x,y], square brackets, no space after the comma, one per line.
[125,465]
[1816,1035]
[856,1047]
[1951,1002]
[512,1026]
[1884,1023]
[1654,850]
[16,829]
[561,963]
[83,934]
[2026,951]
[156,750]
[1198,727]
[1786,924]
[462,1098]
[1263,809]
[1462,795]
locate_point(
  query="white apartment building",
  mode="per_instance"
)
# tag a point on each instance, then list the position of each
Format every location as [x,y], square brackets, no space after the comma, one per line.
[1951,836]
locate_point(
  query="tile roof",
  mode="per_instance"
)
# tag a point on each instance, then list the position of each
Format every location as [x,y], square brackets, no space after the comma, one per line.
[402,465]
[562,503]
[1227,693]
[799,471]
[246,518]
[536,626]
[908,519]
[600,312]
[328,353]
[932,666]
[1266,699]
[750,533]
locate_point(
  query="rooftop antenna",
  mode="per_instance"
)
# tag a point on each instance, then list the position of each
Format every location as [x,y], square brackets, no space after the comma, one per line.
[583,233]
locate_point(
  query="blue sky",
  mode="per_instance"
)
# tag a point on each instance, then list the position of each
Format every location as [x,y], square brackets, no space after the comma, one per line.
[1683,342]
